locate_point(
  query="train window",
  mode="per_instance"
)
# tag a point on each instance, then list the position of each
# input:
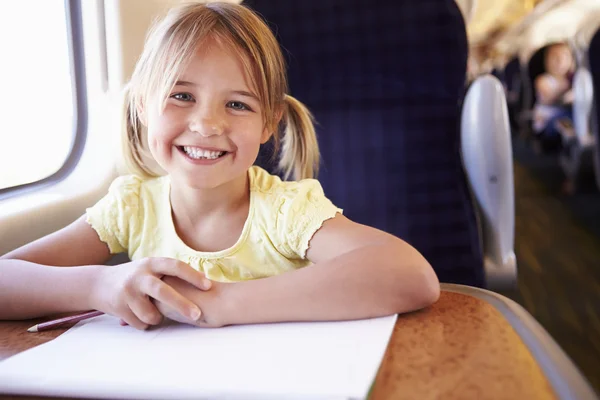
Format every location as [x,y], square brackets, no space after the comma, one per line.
[38,123]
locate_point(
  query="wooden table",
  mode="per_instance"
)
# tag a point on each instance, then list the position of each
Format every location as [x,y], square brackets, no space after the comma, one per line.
[460,348]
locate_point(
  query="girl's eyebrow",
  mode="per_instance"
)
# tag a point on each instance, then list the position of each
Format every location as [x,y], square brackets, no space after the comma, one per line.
[185,83]
[244,93]
[240,92]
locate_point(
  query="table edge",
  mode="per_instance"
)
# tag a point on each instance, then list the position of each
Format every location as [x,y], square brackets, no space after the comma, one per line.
[560,371]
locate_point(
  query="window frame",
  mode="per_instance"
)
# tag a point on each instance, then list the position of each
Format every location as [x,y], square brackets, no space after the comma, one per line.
[80,104]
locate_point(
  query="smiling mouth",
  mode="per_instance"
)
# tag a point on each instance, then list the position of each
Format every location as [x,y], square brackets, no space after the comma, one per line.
[201,154]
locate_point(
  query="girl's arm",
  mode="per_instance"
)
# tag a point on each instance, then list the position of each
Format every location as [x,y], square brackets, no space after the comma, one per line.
[32,282]
[548,92]
[358,272]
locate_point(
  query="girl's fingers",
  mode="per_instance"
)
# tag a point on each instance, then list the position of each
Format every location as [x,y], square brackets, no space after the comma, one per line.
[144,310]
[171,314]
[130,319]
[172,267]
[159,290]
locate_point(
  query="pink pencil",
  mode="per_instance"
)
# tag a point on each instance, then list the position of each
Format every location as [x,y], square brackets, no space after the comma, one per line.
[44,326]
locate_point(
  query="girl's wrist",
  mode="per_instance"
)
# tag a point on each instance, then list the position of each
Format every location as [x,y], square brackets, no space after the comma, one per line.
[94,289]
[231,305]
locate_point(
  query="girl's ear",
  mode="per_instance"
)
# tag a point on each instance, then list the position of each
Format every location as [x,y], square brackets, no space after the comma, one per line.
[267,133]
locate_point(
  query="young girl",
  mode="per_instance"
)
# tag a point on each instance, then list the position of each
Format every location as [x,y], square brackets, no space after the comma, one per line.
[554,92]
[215,240]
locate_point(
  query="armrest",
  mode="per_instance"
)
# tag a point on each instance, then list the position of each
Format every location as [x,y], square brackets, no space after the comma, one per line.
[488,161]
[564,377]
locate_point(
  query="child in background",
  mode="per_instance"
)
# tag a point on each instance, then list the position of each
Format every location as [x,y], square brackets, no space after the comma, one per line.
[213,239]
[553,111]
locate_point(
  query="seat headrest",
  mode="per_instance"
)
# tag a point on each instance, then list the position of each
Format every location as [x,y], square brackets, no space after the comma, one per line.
[536,64]
[402,46]
[594,48]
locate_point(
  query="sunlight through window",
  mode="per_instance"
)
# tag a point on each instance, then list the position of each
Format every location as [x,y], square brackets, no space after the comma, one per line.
[36,124]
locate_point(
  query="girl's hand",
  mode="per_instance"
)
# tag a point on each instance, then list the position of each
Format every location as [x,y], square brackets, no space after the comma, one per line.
[214,303]
[126,290]
[569,97]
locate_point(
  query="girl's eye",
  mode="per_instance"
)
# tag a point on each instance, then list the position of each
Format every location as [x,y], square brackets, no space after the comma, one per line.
[182,97]
[238,105]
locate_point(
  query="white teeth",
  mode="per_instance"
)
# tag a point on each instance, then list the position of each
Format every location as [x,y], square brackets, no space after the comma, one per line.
[197,153]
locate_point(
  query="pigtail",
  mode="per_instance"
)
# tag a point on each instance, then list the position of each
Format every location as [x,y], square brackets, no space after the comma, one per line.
[132,138]
[299,149]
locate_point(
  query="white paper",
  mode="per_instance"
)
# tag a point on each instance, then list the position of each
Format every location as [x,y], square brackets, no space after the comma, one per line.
[101,359]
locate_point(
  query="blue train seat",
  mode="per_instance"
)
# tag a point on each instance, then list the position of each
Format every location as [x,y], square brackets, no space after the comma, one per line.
[385,83]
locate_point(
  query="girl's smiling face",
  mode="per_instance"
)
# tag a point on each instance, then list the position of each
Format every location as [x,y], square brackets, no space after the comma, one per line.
[211,128]
[559,60]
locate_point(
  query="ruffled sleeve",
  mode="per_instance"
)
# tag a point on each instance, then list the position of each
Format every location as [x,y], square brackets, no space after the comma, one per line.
[116,216]
[301,211]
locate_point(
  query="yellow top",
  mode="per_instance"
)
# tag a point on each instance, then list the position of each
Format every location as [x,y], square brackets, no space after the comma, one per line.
[135,216]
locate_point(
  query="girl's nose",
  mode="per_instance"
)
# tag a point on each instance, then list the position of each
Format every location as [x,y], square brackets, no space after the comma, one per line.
[207,126]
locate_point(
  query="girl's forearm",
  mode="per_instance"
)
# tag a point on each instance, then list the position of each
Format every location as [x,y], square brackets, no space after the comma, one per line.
[29,290]
[373,281]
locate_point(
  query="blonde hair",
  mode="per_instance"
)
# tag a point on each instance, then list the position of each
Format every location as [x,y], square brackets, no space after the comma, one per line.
[170,45]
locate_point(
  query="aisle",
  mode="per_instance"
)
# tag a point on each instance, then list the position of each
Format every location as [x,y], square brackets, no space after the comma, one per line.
[557,243]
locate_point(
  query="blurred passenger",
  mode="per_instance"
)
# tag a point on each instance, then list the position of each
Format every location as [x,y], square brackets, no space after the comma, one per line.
[553,110]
